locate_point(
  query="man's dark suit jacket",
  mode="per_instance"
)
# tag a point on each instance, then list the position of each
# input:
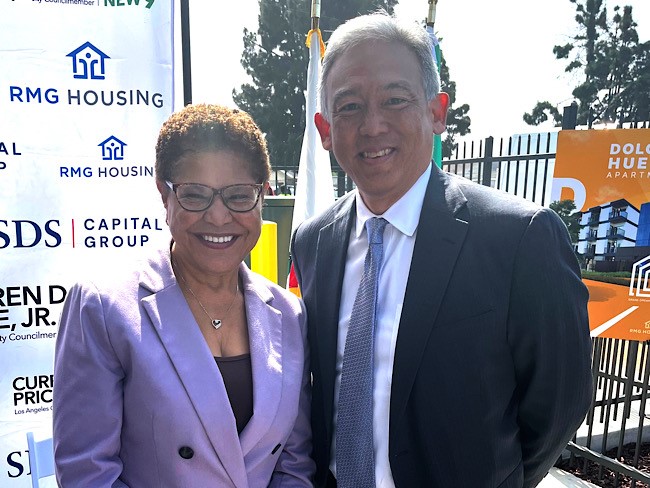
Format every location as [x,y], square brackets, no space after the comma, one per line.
[492,363]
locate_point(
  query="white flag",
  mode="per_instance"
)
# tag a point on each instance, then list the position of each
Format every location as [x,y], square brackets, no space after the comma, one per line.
[314,188]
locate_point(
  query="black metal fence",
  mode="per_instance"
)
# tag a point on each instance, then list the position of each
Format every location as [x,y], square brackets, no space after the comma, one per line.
[521,165]
[610,443]
[283,180]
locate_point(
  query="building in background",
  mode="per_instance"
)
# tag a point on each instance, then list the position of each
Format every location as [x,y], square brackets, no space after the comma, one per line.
[612,234]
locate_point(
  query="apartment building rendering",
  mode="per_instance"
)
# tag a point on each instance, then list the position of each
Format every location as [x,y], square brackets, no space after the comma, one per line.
[614,235]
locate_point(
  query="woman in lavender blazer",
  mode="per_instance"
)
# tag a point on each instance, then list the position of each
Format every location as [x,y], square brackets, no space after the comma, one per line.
[188,370]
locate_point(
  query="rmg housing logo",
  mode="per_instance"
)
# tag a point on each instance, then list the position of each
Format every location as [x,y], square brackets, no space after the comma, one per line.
[112,150]
[88,63]
[640,279]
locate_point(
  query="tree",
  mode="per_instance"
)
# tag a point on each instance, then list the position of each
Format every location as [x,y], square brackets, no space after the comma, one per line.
[628,95]
[458,122]
[566,210]
[275,57]
[615,68]
[541,113]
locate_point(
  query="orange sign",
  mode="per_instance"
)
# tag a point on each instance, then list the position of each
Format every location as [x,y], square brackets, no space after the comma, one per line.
[607,174]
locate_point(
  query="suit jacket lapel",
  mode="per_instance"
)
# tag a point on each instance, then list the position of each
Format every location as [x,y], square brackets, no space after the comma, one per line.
[440,235]
[175,325]
[331,252]
[265,337]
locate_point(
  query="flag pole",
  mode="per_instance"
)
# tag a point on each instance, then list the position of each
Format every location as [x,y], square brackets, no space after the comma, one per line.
[431,17]
[431,20]
[315,14]
[186,52]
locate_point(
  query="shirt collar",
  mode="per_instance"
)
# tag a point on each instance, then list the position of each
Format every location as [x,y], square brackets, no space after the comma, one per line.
[404,214]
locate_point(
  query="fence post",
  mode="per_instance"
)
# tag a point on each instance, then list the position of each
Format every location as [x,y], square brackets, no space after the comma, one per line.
[340,183]
[486,178]
[570,116]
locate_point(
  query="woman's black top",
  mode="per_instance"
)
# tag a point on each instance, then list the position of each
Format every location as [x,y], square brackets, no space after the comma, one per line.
[237,375]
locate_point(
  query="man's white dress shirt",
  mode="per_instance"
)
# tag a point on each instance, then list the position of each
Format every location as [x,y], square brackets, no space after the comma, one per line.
[399,239]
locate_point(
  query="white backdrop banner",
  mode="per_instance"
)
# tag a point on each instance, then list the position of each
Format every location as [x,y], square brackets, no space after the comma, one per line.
[84,87]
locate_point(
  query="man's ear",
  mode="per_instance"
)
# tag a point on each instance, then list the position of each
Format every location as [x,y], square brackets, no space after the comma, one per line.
[439,107]
[323,127]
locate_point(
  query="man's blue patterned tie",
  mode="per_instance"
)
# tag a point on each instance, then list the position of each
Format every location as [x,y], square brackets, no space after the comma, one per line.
[355,460]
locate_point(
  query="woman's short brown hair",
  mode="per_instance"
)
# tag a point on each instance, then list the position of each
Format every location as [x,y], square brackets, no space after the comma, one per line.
[211,128]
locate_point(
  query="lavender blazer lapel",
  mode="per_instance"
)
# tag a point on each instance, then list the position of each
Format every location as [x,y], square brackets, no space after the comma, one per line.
[265,338]
[182,339]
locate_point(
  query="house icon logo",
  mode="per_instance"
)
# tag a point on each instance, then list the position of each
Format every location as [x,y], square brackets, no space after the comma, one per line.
[112,149]
[639,281]
[88,62]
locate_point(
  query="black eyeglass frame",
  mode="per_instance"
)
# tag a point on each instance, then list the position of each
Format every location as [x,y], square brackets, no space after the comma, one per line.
[216,191]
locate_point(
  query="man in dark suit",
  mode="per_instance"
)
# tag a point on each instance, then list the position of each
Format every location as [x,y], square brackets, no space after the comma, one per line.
[481,368]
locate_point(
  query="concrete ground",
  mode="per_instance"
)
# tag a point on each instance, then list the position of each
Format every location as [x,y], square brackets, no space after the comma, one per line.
[556,478]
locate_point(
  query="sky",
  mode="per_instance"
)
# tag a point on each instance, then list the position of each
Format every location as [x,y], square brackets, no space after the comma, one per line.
[499,52]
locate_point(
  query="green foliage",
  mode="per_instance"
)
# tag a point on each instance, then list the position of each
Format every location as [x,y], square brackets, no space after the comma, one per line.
[566,210]
[629,91]
[615,68]
[276,58]
[616,278]
[458,122]
[539,114]
[610,274]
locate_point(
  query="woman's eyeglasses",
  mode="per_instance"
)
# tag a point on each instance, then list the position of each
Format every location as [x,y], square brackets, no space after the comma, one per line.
[195,197]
